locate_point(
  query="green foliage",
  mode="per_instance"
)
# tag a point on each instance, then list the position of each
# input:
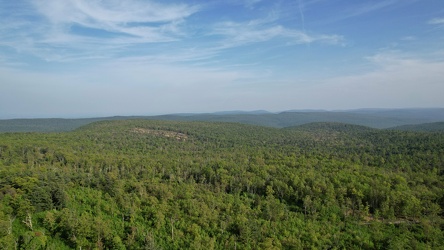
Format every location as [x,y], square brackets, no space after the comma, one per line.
[426,127]
[196,185]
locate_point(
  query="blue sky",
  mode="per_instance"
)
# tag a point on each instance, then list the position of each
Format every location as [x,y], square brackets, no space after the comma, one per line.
[83,58]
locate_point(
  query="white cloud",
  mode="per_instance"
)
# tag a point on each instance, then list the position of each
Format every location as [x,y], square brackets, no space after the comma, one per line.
[436,21]
[83,30]
[251,3]
[359,8]
[370,7]
[96,13]
[59,30]
[241,33]
[146,21]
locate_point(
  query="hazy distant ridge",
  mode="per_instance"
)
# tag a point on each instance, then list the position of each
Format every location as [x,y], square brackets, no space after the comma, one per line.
[374,118]
[425,127]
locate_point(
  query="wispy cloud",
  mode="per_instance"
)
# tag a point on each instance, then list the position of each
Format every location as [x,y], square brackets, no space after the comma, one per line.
[129,17]
[251,3]
[301,13]
[254,31]
[360,8]
[93,29]
[77,28]
[370,7]
[436,21]
[408,38]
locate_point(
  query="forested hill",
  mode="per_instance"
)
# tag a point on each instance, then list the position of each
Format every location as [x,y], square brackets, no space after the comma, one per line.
[375,118]
[142,184]
[425,127]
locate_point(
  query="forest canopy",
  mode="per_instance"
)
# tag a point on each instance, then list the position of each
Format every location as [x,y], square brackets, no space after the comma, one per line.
[140,184]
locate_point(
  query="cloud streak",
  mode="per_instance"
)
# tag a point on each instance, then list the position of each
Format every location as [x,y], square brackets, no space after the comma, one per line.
[254,31]
[251,3]
[97,30]
[436,21]
[130,17]
[91,29]
[357,9]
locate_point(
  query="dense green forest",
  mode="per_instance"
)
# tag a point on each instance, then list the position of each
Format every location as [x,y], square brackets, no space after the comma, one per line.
[425,127]
[140,184]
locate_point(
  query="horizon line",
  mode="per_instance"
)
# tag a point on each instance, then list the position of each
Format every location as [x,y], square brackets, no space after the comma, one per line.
[222,112]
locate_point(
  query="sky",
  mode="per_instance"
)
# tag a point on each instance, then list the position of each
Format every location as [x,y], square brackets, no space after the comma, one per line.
[86,58]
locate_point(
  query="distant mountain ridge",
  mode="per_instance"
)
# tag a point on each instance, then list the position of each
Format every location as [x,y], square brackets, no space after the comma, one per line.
[240,112]
[374,118]
[425,127]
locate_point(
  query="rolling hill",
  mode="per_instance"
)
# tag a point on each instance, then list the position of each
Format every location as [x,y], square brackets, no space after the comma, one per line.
[374,118]
[152,184]
[424,127]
